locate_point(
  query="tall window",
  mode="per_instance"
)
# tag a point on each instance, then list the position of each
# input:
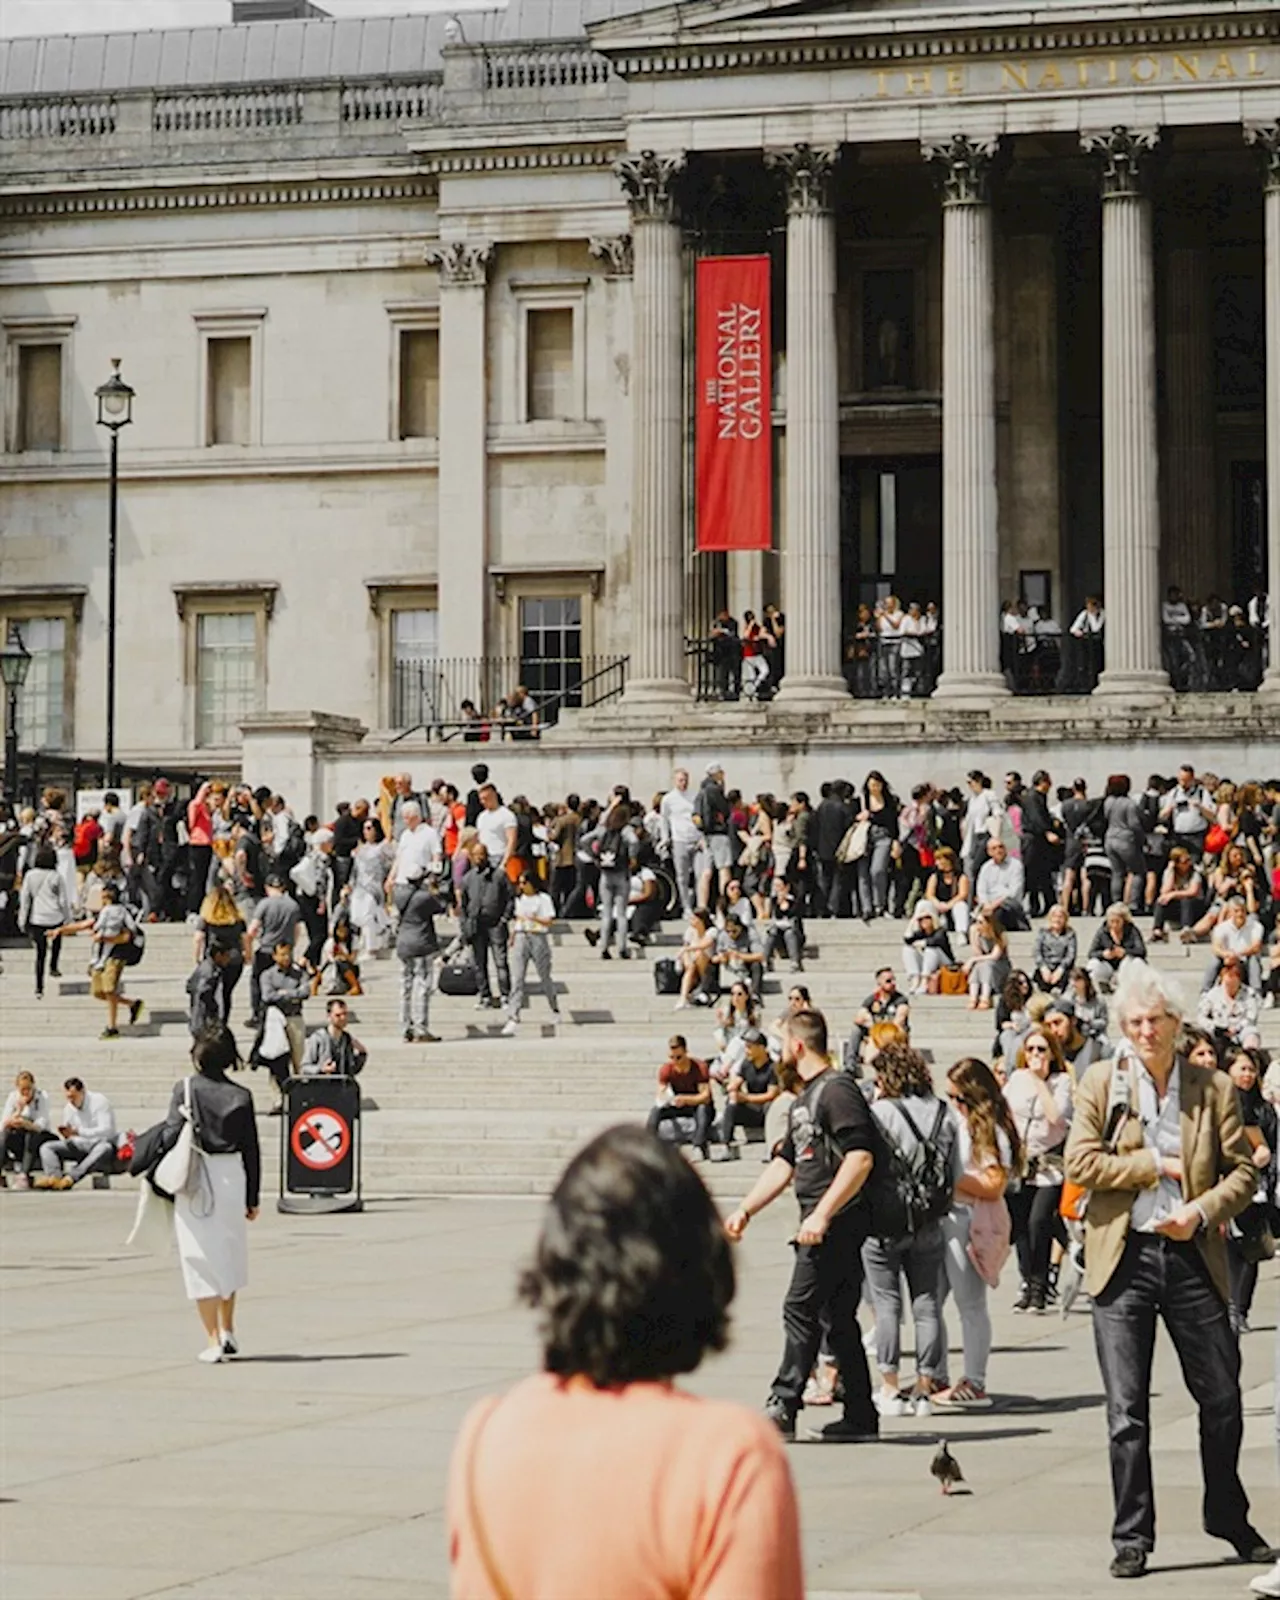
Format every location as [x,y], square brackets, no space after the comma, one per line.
[41,703]
[39,417]
[888,329]
[415,684]
[226,674]
[229,408]
[419,383]
[549,374]
[551,645]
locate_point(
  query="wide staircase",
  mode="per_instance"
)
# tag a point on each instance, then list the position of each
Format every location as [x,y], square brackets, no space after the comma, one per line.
[479,1113]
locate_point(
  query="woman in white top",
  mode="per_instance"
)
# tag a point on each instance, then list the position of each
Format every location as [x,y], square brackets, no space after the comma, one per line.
[1038,1095]
[889,620]
[695,955]
[370,863]
[24,1126]
[532,916]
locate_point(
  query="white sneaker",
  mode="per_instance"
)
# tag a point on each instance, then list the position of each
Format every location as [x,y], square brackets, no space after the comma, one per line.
[509,1031]
[921,1406]
[889,1403]
[211,1355]
[230,1345]
[1267,1583]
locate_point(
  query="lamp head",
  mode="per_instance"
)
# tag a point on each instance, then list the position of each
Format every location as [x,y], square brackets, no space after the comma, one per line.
[115,400]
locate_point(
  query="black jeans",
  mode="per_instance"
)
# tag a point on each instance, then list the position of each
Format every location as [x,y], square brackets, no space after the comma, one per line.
[1037,867]
[1158,1278]
[40,938]
[1035,1224]
[486,941]
[198,858]
[701,1121]
[317,925]
[262,959]
[1186,913]
[826,1285]
[23,1146]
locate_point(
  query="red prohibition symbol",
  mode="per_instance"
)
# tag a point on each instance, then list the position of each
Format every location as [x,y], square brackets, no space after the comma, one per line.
[320,1138]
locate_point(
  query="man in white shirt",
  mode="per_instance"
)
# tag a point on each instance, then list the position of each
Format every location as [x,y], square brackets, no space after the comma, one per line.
[87,1137]
[1188,807]
[1230,1009]
[1000,887]
[495,825]
[682,837]
[418,850]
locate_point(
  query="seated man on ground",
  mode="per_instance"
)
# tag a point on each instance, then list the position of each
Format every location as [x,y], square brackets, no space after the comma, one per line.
[1000,887]
[740,955]
[684,1093]
[1230,1009]
[644,905]
[752,1088]
[86,1138]
[885,1003]
[332,1049]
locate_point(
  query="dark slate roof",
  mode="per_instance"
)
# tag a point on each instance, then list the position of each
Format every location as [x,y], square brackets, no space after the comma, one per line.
[266,52]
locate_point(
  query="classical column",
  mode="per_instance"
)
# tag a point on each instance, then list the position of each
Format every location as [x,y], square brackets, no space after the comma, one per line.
[657,529]
[970,520]
[1130,451]
[1268,142]
[616,255]
[462,522]
[811,533]
[1190,550]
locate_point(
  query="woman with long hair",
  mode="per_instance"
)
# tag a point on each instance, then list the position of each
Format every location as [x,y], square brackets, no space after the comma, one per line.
[977,1228]
[221,926]
[209,1219]
[1038,1095]
[988,967]
[598,1476]
[1246,1069]
[43,908]
[370,863]
[1180,896]
[880,807]
[695,955]
[1123,841]
[948,889]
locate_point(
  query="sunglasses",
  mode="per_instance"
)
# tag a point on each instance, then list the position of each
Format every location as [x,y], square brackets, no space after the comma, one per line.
[1035,1049]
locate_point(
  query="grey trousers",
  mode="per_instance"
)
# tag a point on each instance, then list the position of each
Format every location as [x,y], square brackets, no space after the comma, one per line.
[615,890]
[684,859]
[416,975]
[527,947]
[920,1260]
[89,1155]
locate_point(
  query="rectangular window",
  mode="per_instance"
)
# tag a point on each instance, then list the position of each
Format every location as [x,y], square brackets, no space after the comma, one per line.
[419,383]
[229,408]
[39,397]
[226,674]
[549,376]
[415,684]
[41,702]
[551,646]
[888,329]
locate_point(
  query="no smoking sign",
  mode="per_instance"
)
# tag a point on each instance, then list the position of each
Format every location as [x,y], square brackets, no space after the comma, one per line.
[321,1138]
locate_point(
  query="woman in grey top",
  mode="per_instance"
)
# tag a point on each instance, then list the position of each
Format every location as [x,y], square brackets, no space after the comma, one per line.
[1124,842]
[1054,953]
[42,908]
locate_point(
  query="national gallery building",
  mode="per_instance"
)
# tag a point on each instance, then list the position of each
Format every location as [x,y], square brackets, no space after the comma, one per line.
[410,309]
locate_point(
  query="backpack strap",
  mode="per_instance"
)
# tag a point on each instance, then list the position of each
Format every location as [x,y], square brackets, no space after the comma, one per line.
[1120,1100]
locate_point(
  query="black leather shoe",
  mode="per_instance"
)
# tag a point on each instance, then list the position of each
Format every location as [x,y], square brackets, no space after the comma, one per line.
[1248,1544]
[1129,1564]
[844,1430]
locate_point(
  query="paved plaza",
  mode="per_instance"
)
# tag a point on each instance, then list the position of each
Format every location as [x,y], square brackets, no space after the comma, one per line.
[314,1467]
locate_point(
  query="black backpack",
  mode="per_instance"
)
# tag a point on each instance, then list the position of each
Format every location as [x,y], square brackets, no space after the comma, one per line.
[609,851]
[906,1193]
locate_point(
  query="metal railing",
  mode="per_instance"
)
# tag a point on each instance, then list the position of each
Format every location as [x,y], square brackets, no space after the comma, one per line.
[428,696]
[39,770]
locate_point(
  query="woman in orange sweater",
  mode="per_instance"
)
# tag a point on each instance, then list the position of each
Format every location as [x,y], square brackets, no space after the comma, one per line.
[599,1476]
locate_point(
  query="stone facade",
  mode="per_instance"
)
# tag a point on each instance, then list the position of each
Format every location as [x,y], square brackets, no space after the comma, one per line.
[987,242]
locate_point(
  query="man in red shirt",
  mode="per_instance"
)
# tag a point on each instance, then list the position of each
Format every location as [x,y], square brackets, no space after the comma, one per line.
[684,1090]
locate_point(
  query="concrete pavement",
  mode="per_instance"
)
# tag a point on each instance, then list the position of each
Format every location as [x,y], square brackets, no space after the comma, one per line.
[314,1468]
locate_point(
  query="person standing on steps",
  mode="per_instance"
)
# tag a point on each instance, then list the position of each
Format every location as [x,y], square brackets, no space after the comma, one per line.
[43,908]
[275,922]
[1159,1146]
[532,918]
[484,913]
[416,946]
[828,1153]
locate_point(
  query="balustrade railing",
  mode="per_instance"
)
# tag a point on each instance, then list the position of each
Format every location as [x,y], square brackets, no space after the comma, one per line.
[58,118]
[568,68]
[390,102]
[202,113]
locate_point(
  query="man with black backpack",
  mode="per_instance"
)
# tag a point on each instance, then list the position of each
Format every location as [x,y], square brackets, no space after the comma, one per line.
[828,1152]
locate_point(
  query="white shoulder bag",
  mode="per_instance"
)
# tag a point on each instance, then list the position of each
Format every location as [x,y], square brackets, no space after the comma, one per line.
[182,1170]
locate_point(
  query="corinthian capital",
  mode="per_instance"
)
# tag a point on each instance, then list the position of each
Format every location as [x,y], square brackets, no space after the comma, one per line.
[807,171]
[1124,153]
[461,262]
[1266,141]
[964,168]
[647,180]
[616,252]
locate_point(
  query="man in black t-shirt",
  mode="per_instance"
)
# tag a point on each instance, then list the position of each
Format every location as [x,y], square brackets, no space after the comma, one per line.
[828,1154]
[886,1003]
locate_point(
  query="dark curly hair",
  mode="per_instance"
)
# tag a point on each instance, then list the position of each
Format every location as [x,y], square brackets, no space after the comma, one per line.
[632,1274]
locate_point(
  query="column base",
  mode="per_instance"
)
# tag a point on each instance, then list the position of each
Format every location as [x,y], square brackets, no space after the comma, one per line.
[641,692]
[821,692]
[970,691]
[1142,690]
[1269,688]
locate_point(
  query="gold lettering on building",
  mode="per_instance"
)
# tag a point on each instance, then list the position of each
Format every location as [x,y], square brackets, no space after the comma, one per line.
[1186,68]
[1112,76]
[1053,74]
[1051,78]
[1144,69]
[1255,71]
[1223,68]
[955,80]
[1082,72]
[919,82]
[882,85]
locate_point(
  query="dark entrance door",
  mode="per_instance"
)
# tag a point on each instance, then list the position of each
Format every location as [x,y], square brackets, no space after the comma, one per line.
[890,531]
[1248,529]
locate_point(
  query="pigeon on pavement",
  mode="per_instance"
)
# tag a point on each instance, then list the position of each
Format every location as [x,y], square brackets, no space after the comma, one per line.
[945,1468]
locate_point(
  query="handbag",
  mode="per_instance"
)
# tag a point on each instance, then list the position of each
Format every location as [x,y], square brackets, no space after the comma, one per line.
[854,844]
[953,980]
[1216,840]
[181,1170]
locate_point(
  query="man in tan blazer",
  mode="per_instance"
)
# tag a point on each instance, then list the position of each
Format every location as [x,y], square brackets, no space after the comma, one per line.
[1160,1148]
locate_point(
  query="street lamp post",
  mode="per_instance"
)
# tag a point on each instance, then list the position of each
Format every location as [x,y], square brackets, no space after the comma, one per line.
[115,411]
[15,661]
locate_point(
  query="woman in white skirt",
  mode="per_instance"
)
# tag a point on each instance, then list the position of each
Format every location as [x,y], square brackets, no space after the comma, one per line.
[210,1220]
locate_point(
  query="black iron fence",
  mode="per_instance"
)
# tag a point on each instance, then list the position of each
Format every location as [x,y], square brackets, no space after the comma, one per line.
[39,770]
[475,698]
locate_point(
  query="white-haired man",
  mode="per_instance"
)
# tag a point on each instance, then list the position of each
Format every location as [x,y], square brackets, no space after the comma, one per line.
[418,854]
[1159,1145]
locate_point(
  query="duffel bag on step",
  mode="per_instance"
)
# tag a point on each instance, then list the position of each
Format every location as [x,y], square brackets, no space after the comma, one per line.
[458,977]
[666,976]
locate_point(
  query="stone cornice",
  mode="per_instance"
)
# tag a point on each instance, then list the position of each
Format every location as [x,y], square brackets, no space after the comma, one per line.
[601,156]
[861,40]
[105,201]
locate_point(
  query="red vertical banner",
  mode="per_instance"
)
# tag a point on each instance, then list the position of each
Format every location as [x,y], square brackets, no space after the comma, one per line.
[734,431]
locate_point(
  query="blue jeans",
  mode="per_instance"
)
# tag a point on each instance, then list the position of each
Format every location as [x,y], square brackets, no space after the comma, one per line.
[1158,1278]
[615,890]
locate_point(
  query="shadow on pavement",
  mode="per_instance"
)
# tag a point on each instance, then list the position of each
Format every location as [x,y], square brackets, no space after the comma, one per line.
[359,1355]
[1028,1404]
